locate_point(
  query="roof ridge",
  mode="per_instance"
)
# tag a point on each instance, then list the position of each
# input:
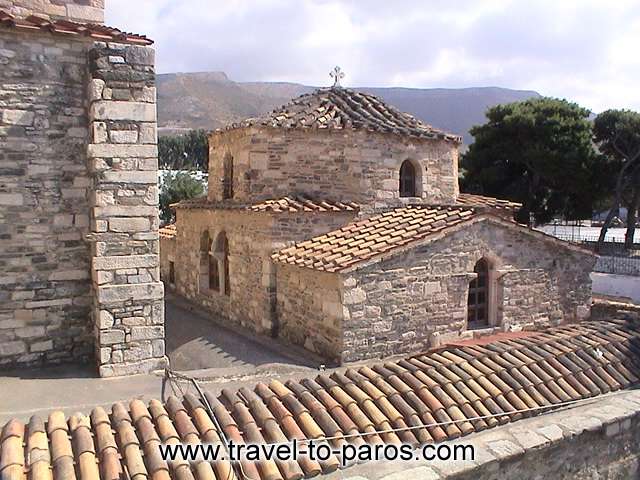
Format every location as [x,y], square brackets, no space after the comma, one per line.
[65,26]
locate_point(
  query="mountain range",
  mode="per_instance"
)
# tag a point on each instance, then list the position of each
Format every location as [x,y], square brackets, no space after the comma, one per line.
[210,100]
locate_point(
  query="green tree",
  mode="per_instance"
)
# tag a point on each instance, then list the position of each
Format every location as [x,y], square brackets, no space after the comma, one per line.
[184,152]
[537,152]
[617,135]
[176,187]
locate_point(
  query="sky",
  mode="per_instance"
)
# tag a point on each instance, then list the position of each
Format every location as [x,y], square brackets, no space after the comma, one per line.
[581,50]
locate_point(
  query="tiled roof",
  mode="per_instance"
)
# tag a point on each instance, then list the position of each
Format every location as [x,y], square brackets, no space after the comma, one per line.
[69,28]
[339,108]
[168,231]
[440,395]
[290,204]
[379,235]
[372,237]
[302,204]
[472,200]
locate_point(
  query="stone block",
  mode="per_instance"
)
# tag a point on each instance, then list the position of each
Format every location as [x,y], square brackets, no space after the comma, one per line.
[129,224]
[11,199]
[417,473]
[67,275]
[121,369]
[148,133]
[18,117]
[96,86]
[120,110]
[354,295]
[110,337]
[105,355]
[110,150]
[130,293]
[505,449]
[125,262]
[552,432]
[125,176]
[99,130]
[158,348]
[124,136]
[85,13]
[41,346]
[105,319]
[147,333]
[12,348]
[136,55]
[138,353]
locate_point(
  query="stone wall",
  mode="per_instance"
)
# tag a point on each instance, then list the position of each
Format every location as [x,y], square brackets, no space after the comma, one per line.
[91,11]
[349,166]
[122,153]
[252,238]
[418,297]
[309,310]
[44,201]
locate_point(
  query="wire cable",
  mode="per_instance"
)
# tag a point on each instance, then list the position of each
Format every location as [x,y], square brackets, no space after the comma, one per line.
[555,406]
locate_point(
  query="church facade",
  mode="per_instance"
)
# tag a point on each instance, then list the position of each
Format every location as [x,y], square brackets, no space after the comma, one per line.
[336,223]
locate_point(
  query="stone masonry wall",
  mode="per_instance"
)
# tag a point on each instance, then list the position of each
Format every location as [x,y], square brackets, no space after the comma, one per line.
[252,239]
[128,293]
[413,299]
[45,186]
[91,11]
[310,311]
[354,166]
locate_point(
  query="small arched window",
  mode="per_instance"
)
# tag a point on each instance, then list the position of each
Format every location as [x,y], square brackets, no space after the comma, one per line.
[208,267]
[478,302]
[222,257]
[407,179]
[227,177]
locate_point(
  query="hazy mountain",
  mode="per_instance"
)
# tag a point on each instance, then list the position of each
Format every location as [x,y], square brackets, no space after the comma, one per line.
[210,100]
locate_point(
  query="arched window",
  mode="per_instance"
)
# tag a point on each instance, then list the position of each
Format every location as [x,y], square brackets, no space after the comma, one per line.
[208,267]
[222,257]
[407,179]
[478,303]
[227,177]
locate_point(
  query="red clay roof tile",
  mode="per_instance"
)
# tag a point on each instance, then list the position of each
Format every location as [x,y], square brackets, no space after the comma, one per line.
[344,109]
[68,28]
[502,380]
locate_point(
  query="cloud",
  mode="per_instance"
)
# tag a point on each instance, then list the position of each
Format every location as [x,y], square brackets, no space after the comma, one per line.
[577,49]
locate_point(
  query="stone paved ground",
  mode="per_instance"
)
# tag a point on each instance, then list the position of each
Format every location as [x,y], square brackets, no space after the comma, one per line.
[195,340]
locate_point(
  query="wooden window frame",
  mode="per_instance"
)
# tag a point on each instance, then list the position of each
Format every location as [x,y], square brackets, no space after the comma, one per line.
[408,180]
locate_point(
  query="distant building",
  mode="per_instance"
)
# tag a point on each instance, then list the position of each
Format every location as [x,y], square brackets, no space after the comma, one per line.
[336,223]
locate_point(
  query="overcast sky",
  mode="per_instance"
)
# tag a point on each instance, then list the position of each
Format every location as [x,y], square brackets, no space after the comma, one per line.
[582,50]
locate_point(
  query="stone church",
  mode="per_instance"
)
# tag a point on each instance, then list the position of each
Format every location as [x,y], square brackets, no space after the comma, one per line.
[336,223]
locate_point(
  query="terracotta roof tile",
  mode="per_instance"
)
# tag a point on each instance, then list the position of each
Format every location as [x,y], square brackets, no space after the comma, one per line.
[289,204]
[343,108]
[68,28]
[373,236]
[169,231]
[454,385]
[472,200]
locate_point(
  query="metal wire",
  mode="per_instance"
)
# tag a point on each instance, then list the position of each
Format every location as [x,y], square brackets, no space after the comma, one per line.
[554,406]
[171,374]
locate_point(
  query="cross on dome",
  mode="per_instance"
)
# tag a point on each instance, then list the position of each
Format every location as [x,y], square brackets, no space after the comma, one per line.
[337,74]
